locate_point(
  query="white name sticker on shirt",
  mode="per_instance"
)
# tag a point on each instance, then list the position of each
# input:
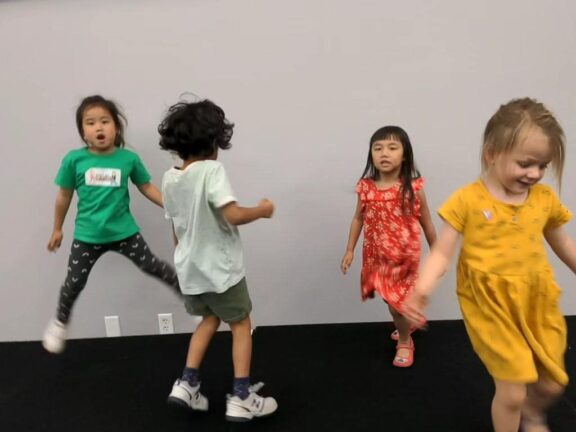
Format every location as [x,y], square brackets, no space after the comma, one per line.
[108,177]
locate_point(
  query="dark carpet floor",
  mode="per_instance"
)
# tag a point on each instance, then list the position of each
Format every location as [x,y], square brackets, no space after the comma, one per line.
[336,377]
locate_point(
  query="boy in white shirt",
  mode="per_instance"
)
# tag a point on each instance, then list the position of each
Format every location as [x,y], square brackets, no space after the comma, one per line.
[200,202]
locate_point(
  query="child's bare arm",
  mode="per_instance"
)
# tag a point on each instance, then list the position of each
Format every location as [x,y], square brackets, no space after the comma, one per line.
[236,215]
[563,246]
[434,268]
[354,234]
[426,220]
[436,264]
[152,193]
[63,199]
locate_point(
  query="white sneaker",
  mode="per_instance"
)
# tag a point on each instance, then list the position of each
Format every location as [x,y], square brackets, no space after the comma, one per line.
[54,339]
[184,395]
[238,410]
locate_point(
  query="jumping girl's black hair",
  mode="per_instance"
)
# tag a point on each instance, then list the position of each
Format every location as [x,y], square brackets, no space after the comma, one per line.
[408,170]
[195,129]
[117,116]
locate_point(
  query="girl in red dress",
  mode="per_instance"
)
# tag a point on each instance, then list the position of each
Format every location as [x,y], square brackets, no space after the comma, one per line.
[391,208]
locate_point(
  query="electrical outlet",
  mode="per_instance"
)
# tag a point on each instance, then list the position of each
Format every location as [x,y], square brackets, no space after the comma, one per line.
[165,323]
[112,324]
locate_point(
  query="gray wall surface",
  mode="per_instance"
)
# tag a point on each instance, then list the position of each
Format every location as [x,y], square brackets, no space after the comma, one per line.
[306,82]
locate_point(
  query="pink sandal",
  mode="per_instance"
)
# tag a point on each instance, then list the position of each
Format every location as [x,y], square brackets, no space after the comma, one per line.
[404,362]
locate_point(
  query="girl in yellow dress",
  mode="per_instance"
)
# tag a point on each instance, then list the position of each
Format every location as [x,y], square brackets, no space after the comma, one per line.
[505,284]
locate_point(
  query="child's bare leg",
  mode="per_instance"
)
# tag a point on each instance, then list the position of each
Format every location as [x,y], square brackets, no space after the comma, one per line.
[241,347]
[403,327]
[507,405]
[401,324]
[200,340]
[186,391]
[541,396]
[244,403]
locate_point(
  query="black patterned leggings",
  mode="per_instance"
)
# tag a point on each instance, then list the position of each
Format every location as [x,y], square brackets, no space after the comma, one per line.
[83,256]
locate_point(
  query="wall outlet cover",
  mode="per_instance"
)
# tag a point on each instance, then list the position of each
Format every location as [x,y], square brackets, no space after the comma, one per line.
[165,323]
[112,324]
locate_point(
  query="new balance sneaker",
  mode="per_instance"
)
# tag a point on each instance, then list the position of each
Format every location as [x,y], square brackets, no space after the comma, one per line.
[183,395]
[238,410]
[54,339]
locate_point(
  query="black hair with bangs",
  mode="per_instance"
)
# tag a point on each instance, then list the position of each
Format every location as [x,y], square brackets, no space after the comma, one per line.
[408,170]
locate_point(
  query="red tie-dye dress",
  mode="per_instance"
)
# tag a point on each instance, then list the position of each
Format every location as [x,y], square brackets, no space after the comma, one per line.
[391,251]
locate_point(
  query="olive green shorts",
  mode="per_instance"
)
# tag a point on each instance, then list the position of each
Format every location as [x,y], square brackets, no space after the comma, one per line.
[231,306]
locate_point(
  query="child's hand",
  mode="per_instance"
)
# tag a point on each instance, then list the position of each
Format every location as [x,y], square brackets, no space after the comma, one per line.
[346,261]
[55,241]
[267,207]
[413,309]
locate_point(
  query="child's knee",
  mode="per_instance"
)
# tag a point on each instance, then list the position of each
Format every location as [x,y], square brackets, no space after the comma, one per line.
[510,395]
[73,286]
[242,325]
[211,320]
[150,268]
[547,388]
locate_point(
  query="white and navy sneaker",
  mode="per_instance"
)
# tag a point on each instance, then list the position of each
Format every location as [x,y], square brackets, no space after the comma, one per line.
[183,395]
[54,339]
[238,410]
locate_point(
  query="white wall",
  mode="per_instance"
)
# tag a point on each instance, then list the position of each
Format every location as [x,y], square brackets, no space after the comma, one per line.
[306,82]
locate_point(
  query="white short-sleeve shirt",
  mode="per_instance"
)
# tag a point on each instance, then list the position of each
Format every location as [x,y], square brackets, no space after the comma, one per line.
[208,257]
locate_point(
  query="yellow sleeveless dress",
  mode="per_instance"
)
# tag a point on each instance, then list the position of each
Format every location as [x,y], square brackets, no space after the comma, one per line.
[505,284]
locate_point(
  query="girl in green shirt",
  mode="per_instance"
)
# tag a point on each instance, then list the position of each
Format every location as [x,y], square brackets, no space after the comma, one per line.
[100,173]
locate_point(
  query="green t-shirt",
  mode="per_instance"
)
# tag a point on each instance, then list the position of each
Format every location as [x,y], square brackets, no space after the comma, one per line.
[101,182]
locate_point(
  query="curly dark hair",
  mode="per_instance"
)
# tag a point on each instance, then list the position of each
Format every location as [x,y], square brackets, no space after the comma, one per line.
[117,116]
[196,129]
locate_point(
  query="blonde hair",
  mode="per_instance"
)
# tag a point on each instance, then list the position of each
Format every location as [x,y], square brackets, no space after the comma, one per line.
[508,126]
